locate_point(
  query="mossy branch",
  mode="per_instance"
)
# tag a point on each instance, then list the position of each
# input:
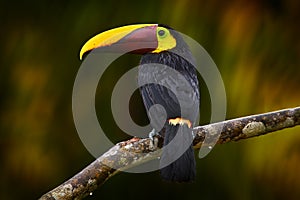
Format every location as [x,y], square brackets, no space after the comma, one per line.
[137,151]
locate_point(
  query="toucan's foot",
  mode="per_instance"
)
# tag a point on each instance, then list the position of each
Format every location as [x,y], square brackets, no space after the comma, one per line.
[180,121]
[152,134]
[154,141]
[193,134]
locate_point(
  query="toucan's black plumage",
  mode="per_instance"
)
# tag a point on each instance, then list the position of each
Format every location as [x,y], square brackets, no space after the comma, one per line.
[183,169]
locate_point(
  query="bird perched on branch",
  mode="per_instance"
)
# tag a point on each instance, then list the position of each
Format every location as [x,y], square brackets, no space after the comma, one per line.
[167,77]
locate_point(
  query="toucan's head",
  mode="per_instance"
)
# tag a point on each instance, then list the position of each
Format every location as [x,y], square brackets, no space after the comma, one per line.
[139,38]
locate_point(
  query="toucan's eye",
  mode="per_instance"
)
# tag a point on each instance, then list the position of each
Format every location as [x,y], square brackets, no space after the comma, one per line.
[161,33]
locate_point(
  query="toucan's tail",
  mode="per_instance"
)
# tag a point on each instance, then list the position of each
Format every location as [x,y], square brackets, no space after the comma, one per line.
[184,168]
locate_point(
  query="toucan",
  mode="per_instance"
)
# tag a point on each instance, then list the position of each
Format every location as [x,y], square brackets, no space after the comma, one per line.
[160,45]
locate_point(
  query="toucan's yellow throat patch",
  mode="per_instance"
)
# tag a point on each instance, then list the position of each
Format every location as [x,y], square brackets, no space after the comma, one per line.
[165,39]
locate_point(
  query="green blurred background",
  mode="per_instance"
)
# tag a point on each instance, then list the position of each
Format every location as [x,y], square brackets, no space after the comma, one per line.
[255,45]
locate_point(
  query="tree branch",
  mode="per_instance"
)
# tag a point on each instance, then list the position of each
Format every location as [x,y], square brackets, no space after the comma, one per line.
[136,151]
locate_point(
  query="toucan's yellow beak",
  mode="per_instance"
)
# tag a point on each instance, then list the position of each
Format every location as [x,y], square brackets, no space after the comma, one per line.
[140,38]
